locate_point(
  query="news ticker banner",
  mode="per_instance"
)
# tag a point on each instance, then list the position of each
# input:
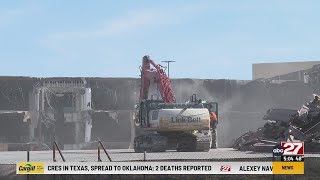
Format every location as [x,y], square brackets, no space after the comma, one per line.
[160,168]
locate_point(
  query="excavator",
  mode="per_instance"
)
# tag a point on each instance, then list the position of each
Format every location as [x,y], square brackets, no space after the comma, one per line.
[163,124]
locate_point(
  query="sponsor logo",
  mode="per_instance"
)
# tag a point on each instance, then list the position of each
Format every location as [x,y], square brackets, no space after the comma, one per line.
[293,148]
[30,168]
[225,168]
[277,150]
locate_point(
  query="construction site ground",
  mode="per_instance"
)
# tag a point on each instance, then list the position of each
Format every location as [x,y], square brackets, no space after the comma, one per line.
[221,154]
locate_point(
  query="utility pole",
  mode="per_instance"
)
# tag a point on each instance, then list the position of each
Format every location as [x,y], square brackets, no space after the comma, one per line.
[41,111]
[168,62]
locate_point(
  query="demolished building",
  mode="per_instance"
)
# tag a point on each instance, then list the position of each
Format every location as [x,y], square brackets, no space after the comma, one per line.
[78,111]
[43,110]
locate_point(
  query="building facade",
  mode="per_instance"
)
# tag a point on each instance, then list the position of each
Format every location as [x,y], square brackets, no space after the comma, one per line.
[282,71]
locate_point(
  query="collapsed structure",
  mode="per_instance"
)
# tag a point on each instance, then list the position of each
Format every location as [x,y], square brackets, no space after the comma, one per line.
[285,125]
[288,124]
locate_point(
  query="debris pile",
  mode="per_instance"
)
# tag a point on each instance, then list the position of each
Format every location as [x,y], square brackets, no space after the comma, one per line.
[285,125]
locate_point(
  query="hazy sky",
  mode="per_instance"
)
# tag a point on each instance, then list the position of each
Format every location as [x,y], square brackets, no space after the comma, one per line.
[101,38]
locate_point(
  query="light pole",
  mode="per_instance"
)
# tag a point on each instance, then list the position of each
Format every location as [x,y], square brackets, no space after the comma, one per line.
[168,62]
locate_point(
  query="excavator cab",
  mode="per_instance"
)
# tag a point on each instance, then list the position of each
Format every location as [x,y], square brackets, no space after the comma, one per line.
[143,109]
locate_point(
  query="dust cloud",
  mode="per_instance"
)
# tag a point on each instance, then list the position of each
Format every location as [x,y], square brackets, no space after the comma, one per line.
[186,87]
[242,104]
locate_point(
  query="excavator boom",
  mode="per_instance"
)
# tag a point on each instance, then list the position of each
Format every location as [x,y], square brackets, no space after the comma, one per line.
[163,82]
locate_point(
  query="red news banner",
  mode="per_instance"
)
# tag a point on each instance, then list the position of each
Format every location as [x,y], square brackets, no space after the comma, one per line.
[292,151]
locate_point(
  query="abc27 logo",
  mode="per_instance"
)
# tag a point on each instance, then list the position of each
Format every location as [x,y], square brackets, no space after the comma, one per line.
[289,151]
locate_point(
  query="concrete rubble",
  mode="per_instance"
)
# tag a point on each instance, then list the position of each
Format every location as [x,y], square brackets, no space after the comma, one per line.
[285,125]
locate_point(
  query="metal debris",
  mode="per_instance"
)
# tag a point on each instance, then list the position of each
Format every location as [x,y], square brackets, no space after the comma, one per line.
[285,125]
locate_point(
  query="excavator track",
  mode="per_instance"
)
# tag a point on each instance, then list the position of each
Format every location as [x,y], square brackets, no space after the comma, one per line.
[185,143]
[193,143]
[150,143]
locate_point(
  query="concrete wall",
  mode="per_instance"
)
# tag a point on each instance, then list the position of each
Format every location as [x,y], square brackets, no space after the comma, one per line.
[269,70]
[14,92]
